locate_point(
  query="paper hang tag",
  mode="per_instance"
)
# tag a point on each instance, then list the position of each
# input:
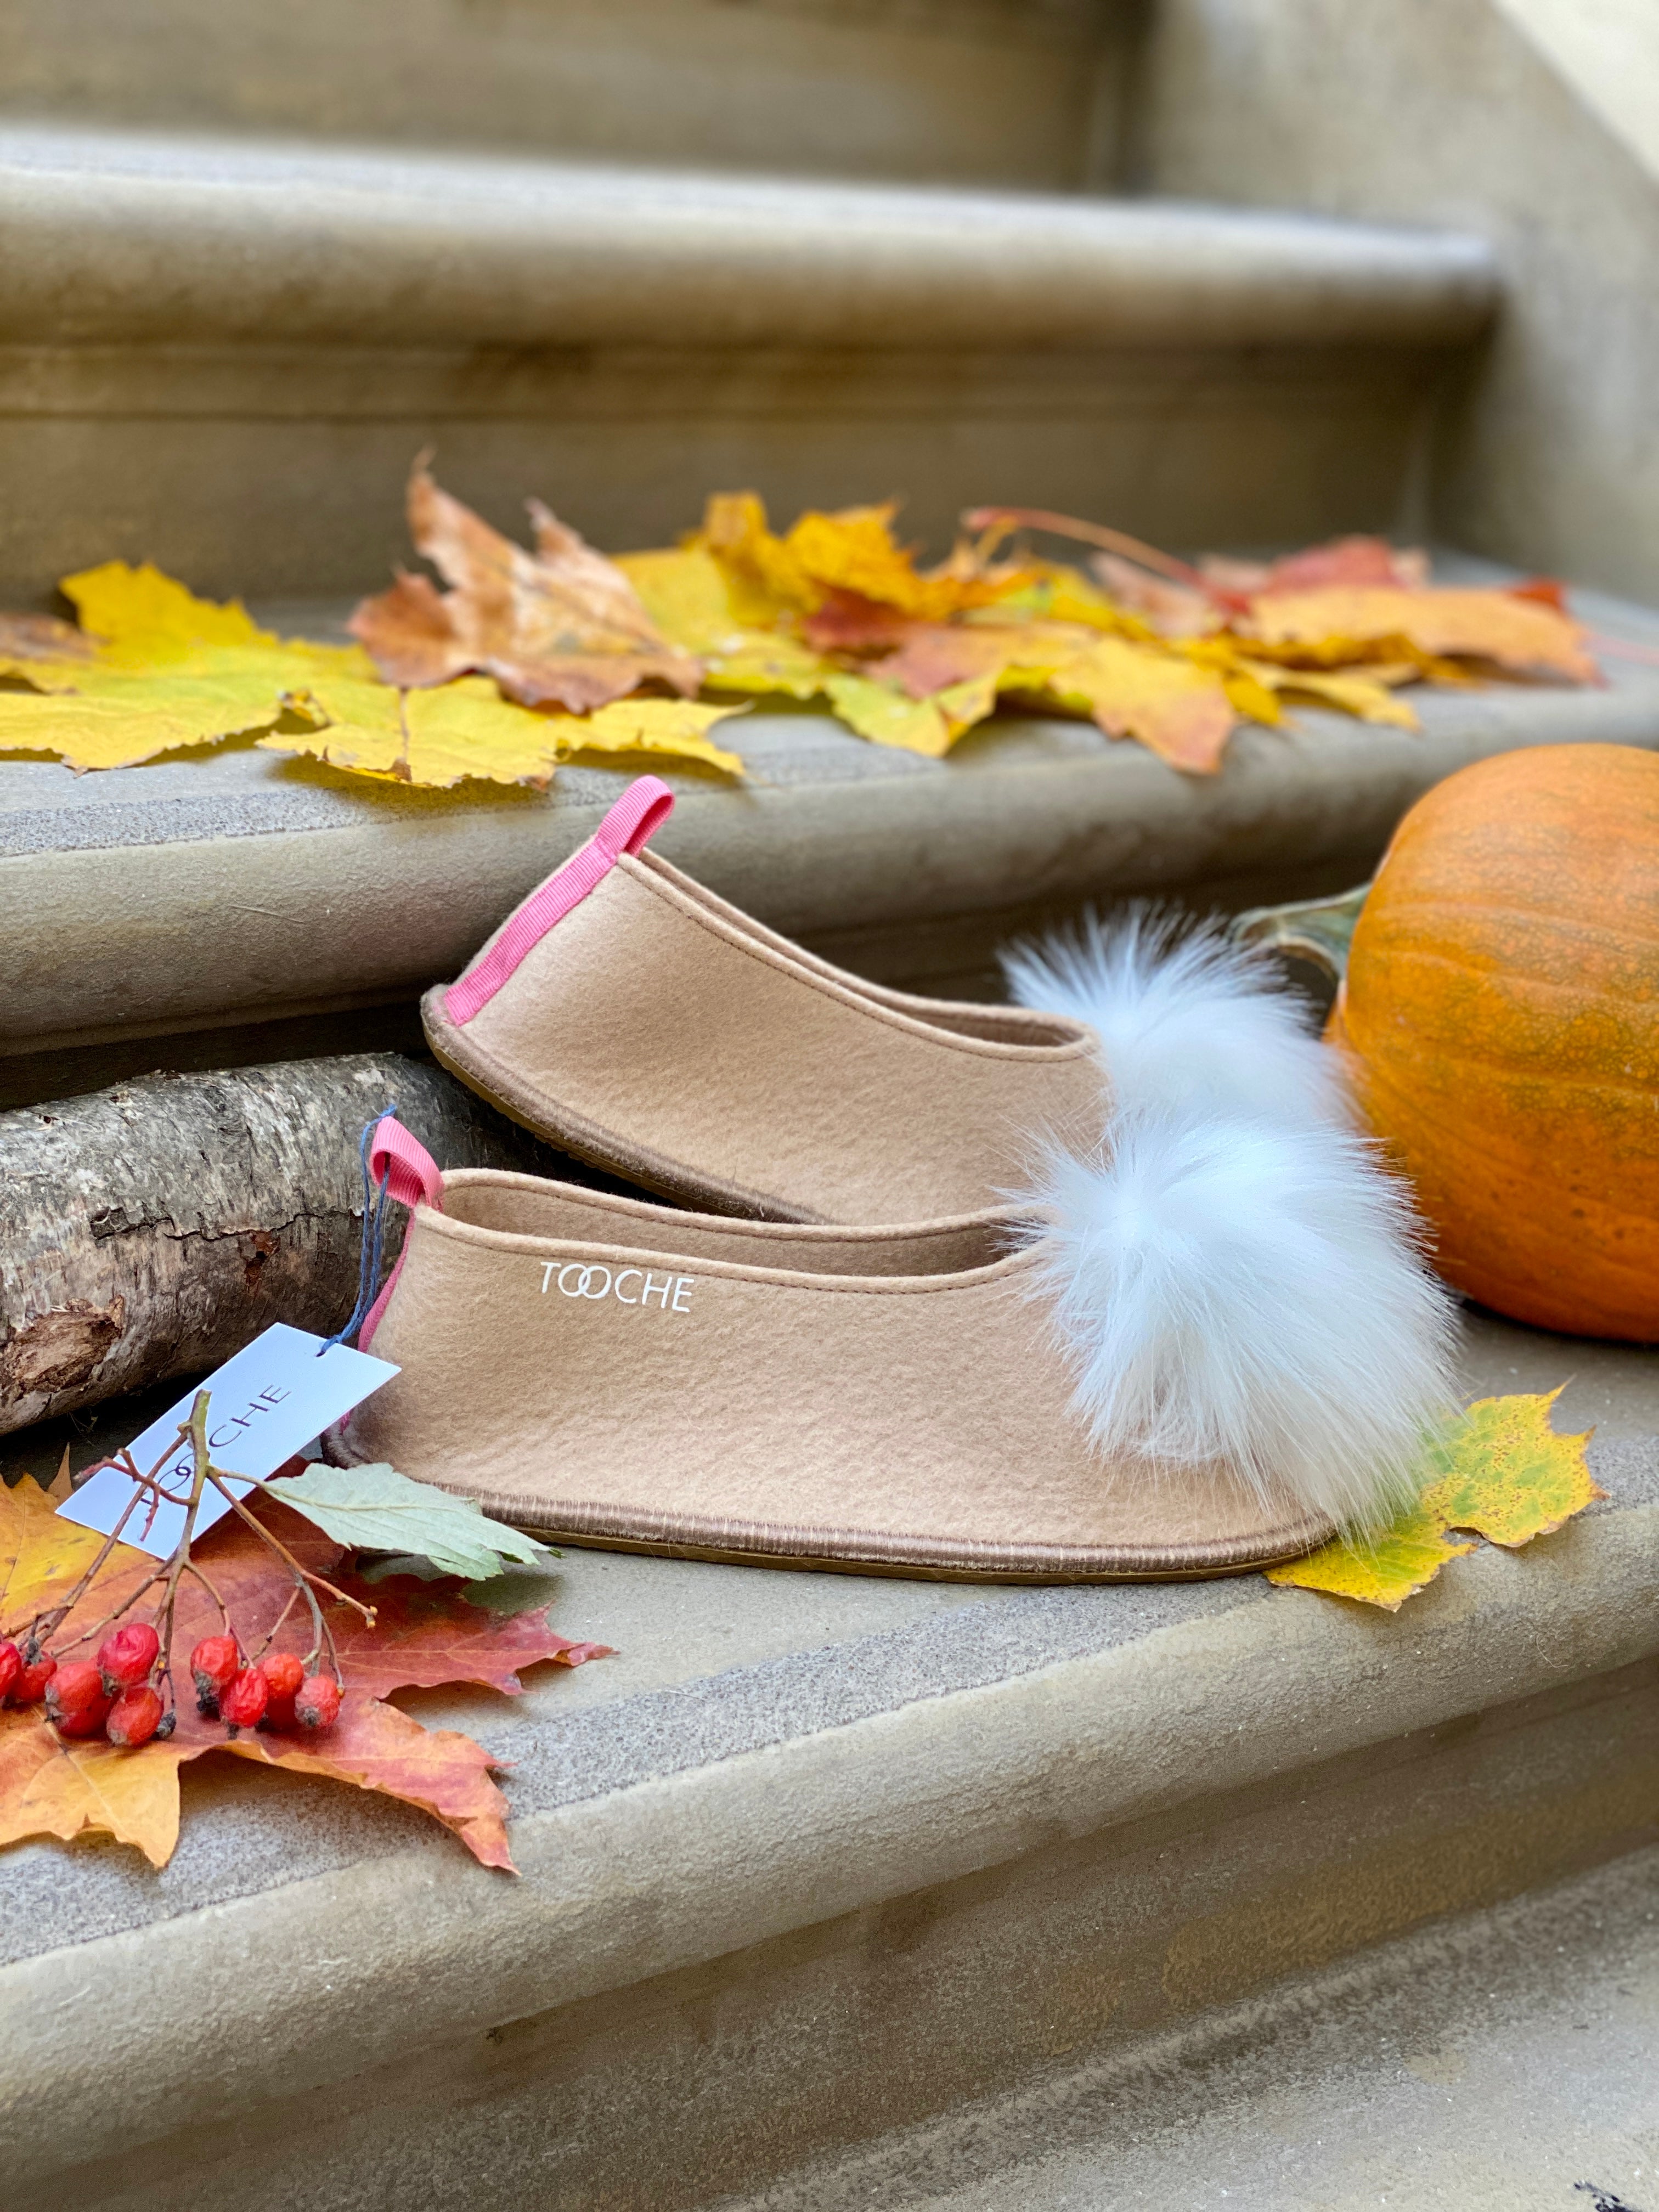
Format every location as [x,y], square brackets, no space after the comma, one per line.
[265,1404]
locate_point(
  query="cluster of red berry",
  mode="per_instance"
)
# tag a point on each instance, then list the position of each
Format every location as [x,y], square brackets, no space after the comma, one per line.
[115,1695]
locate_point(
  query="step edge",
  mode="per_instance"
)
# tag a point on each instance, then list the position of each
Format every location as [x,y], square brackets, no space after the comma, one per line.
[121,235]
[644,1881]
[1066,826]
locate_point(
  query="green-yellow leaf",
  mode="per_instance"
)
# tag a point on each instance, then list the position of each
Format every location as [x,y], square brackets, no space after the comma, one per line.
[376,1509]
[888,716]
[1391,1567]
[1508,1475]
[1500,1470]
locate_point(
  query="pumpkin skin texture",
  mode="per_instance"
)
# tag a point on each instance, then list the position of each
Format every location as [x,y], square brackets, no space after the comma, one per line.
[1500,1021]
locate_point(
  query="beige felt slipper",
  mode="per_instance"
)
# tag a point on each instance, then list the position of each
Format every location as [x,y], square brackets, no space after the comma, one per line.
[967,1397]
[632,1017]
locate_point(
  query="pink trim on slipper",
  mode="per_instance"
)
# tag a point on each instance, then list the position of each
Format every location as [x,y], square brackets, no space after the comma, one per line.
[413,1178]
[637,816]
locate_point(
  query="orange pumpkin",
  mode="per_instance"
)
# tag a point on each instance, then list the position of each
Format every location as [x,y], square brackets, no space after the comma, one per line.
[1500,1019]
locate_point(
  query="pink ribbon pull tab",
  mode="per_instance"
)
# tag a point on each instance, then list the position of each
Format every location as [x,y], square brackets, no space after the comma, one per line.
[630,824]
[414,1178]
[636,818]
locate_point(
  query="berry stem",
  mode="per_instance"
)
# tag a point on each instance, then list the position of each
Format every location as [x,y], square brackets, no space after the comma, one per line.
[110,1618]
[270,1637]
[304,1578]
[196,1428]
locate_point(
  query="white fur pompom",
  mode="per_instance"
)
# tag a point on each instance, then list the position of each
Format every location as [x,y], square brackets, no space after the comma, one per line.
[1185,1020]
[1232,1293]
[1235,1278]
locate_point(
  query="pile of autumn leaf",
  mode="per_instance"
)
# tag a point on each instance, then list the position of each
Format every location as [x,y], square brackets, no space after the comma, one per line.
[423,1633]
[529,657]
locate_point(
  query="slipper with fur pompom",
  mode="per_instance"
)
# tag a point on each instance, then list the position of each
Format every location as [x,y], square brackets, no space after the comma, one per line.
[1172,1360]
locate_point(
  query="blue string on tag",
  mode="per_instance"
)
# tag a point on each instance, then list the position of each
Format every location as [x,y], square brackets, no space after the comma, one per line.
[374,1235]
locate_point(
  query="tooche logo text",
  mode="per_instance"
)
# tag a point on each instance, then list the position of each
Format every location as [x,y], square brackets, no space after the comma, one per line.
[629,1286]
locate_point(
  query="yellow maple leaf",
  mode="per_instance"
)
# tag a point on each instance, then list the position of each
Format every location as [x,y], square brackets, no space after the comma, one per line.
[1507,1475]
[1053,590]
[52,1788]
[159,669]
[441,736]
[856,550]
[686,595]
[1364,696]
[40,1556]
[145,617]
[1500,1470]
[172,671]
[763,577]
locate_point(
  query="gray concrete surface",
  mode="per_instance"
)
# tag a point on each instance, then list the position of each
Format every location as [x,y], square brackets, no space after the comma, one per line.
[1502,2063]
[141,236]
[961,91]
[235,887]
[1532,122]
[713,1661]
[775,1754]
[222,353]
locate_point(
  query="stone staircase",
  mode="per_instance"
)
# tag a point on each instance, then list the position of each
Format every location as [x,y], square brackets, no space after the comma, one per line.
[255,262]
[836,1891]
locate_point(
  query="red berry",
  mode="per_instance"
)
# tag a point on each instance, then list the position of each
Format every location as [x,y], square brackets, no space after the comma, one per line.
[126,1656]
[318,1704]
[213,1665]
[243,1705]
[76,1700]
[11,1665]
[31,1684]
[283,1675]
[135,1715]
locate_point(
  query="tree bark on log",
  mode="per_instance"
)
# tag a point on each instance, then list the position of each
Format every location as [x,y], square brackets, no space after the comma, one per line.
[151,1230]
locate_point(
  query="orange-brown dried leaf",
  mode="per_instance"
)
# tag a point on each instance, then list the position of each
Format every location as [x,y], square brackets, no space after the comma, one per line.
[1363,561]
[1521,635]
[30,644]
[561,626]
[425,1635]
[375,1746]
[1179,709]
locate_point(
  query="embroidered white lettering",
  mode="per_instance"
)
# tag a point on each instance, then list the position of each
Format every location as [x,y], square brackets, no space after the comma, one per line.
[575,1279]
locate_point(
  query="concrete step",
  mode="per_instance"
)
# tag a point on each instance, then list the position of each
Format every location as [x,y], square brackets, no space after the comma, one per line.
[221,354]
[818,1858]
[1499,2061]
[1020,93]
[235,906]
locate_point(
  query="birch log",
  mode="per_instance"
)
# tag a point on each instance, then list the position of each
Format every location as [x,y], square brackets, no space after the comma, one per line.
[151,1230]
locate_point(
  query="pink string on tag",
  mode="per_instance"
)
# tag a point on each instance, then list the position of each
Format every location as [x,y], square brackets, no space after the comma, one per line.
[413,1177]
[635,818]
